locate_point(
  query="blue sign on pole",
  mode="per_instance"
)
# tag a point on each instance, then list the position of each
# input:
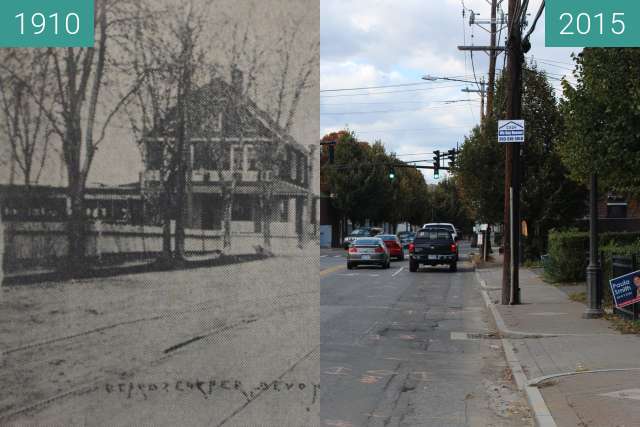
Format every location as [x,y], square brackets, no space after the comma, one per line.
[626,289]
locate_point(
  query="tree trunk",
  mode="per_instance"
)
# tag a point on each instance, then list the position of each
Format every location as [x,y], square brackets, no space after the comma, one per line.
[228,208]
[76,228]
[166,255]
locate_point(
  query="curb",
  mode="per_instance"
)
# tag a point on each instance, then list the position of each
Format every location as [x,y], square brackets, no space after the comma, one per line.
[542,415]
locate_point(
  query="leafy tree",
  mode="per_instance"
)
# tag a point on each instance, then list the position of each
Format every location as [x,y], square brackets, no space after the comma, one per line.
[548,197]
[360,185]
[447,205]
[602,118]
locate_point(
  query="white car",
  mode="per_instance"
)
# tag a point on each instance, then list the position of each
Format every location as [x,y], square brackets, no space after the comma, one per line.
[443,225]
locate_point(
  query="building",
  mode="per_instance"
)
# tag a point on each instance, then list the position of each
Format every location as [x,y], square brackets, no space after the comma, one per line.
[245,174]
[619,213]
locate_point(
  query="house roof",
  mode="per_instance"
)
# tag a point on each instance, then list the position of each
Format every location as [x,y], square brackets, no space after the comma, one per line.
[220,96]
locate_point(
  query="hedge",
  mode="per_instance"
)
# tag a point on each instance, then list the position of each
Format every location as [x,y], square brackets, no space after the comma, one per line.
[609,251]
[568,252]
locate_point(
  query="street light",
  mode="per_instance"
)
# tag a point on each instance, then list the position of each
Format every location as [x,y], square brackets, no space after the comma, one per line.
[452,79]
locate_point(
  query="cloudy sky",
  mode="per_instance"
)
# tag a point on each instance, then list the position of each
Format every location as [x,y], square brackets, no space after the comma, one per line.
[393,43]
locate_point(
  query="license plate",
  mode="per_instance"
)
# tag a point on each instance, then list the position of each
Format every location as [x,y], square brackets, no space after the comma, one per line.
[365,257]
[433,257]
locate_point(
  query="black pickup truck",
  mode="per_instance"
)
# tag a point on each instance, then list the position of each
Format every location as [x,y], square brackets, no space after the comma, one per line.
[433,246]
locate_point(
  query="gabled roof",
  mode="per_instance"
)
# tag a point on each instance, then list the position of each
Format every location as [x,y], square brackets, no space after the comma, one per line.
[218,95]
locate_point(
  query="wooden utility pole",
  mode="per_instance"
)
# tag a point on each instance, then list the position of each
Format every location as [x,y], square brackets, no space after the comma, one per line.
[510,276]
[493,54]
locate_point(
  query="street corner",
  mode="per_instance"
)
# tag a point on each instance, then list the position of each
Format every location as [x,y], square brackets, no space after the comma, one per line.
[593,398]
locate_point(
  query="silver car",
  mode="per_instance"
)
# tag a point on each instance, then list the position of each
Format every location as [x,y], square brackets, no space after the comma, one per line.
[368,251]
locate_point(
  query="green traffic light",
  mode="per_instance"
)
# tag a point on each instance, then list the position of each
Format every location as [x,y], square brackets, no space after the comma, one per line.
[392,175]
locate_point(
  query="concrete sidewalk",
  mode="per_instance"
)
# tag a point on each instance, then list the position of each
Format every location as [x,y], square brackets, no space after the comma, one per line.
[576,372]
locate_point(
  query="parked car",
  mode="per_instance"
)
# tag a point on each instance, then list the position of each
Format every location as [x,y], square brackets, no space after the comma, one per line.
[446,225]
[360,232]
[406,237]
[392,242]
[368,251]
[433,246]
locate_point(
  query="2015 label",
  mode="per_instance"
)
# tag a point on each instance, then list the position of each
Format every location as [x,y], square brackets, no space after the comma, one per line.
[592,23]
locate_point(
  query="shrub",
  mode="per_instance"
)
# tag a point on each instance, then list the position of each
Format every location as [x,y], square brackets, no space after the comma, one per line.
[567,261]
[568,252]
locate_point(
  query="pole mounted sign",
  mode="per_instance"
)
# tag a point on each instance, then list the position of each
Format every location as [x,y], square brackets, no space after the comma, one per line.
[592,23]
[510,131]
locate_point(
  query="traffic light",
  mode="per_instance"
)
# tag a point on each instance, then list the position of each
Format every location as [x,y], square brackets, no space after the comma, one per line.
[436,164]
[452,157]
[392,174]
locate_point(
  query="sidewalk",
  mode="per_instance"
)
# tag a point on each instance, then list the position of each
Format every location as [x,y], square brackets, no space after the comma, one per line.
[575,372]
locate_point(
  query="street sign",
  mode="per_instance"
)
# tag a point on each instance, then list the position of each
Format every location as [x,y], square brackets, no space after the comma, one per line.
[626,289]
[510,131]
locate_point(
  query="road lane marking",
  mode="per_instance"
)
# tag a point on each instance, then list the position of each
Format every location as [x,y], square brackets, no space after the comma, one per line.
[331,270]
[399,270]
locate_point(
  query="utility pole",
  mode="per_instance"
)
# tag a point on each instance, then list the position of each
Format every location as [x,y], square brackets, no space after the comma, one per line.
[493,54]
[482,91]
[510,273]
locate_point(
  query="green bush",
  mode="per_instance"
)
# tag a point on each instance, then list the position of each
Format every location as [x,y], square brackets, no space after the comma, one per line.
[567,261]
[568,252]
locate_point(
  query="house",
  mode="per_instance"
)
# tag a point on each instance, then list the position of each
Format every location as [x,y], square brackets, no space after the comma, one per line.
[245,174]
[619,213]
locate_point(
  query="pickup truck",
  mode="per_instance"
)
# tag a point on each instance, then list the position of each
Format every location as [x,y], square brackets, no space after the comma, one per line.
[433,246]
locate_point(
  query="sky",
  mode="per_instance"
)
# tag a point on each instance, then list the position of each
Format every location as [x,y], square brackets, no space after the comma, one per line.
[372,43]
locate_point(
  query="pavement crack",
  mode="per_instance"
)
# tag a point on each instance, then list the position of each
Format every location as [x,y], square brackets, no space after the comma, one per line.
[184,343]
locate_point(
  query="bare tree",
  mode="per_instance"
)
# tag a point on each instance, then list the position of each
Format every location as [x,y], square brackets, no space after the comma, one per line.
[80,77]
[167,57]
[25,127]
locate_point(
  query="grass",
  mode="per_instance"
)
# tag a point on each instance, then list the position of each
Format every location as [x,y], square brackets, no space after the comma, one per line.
[578,296]
[532,263]
[624,326]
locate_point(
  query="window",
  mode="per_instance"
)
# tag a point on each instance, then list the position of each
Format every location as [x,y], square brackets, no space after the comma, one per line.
[238,159]
[434,234]
[282,210]
[617,210]
[252,158]
[154,155]
[242,208]
[293,160]
[201,158]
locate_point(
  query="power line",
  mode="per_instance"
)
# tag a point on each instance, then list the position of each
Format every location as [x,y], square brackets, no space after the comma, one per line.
[416,130]
[388,111]
[381,86]
[394,91]
[452,101]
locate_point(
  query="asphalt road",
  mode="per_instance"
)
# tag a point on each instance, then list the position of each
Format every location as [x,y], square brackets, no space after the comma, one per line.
[224,346]
[410,349]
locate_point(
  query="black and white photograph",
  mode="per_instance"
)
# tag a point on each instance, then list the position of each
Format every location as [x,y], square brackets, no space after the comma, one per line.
[159,198]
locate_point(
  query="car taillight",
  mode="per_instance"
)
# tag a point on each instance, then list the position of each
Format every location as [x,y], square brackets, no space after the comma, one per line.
[454,248]
[353,250]
[379,250]
[412,247]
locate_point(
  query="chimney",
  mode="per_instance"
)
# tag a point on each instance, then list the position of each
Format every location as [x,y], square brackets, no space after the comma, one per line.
[237,80]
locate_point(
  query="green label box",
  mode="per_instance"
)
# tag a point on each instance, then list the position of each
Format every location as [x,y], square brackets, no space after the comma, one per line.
[47,23]
[592,23]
